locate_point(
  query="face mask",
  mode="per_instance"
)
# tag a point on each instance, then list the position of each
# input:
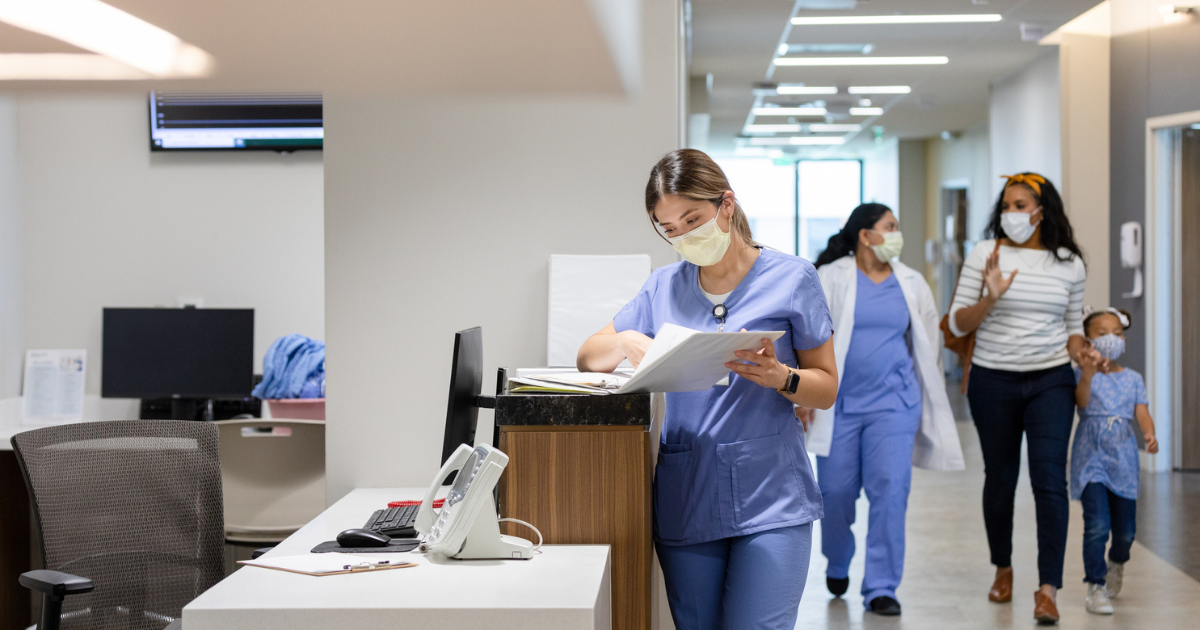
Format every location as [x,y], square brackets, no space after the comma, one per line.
[1109,346]
[703,246]
[1018,226]
[893,242]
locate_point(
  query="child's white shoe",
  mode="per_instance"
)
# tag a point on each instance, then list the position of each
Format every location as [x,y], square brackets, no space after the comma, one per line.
[1097,600]
[1112,581]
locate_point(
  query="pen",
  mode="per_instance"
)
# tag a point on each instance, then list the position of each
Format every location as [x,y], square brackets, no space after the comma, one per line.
[365,566]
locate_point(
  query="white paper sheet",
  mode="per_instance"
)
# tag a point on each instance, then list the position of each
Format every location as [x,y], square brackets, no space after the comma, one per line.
[690,361]
[585,293]
[53,389]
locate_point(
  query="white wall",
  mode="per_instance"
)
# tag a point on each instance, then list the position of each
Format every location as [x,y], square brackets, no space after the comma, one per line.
[11,357]
[1024,122]
[106,223]
[881,175]
[911,203]
[441,214]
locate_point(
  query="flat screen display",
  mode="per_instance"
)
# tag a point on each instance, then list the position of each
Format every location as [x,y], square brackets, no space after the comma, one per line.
[186,352]
[189,121]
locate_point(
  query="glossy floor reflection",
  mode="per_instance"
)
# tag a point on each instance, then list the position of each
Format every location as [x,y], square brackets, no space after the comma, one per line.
[947,572]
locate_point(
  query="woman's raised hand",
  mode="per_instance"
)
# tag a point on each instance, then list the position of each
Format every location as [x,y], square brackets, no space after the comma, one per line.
[634,345]
[760,366]
[997,285]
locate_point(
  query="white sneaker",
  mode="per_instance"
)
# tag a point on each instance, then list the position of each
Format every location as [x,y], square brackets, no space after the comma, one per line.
[1116,575]
[1097,600]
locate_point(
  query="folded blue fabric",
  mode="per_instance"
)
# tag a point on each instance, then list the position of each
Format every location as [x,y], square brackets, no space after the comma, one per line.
[294,367]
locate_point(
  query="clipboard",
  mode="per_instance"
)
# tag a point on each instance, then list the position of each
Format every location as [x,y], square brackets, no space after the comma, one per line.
[321,564]
[685,360]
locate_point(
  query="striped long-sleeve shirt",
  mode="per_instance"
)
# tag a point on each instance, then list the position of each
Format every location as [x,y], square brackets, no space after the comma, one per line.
[1028,327]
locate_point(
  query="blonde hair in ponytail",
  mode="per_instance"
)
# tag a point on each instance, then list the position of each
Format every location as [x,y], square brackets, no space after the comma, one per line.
[692,174]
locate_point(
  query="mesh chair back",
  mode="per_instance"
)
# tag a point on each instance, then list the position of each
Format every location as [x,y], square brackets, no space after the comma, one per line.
[134,505]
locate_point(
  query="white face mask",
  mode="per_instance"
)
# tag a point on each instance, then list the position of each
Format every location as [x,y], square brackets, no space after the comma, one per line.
[890,248]
[703,246]
[1018,226]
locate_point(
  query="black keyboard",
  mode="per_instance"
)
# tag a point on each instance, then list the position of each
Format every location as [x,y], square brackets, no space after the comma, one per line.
[396,522]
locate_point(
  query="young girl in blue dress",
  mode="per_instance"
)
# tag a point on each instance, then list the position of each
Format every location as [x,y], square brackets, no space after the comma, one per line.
[1104,456]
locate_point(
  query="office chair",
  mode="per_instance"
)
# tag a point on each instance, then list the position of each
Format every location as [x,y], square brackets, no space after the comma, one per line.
[130,520]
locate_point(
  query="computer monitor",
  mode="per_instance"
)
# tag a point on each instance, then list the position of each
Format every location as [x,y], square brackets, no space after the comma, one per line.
[185,354]
[466,383]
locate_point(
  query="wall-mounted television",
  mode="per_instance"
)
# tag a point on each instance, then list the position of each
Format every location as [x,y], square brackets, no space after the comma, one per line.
[193,121]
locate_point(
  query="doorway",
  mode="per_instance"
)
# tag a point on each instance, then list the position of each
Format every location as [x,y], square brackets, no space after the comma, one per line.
[1189,298]
[954,240]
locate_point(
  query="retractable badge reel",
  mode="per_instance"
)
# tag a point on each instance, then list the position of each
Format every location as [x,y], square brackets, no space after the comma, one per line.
[719,311]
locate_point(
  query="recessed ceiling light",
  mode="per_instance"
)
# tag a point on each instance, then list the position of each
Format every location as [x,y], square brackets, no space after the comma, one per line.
[866,111]
[818,127]
[798,140]
[828,49]
[107,30]
[879,89]
[789,111]
[860,61]
[772,129]
[65,67]
[896,19]
[805,89]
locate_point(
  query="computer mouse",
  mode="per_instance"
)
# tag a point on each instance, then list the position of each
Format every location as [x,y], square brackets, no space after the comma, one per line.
[362,538]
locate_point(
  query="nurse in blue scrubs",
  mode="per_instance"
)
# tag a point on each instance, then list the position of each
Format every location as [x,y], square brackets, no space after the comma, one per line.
[734,495]
[892,411]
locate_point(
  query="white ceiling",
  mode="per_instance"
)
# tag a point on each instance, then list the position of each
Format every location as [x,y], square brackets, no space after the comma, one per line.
[735,41]
[388,46]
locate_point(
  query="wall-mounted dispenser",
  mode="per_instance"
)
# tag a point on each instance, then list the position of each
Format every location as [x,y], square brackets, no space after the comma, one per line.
[1131,255]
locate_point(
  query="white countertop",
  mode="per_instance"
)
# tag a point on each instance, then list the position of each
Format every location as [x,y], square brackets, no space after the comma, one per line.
[561,588]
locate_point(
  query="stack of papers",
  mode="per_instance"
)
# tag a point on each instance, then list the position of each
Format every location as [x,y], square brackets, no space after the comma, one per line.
[678,360]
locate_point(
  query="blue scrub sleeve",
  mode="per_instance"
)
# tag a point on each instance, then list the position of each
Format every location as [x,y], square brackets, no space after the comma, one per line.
[636,315]
[811,323]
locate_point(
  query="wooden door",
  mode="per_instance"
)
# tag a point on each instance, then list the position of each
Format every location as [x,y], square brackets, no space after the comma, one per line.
[1190,299]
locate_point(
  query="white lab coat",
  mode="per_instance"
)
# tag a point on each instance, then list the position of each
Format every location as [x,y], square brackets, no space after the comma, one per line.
[936,446]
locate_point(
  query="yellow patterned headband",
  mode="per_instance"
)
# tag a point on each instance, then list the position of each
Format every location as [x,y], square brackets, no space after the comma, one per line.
[1029,179]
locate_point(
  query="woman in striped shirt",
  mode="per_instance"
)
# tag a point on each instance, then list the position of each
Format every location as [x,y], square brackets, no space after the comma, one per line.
[1022,294]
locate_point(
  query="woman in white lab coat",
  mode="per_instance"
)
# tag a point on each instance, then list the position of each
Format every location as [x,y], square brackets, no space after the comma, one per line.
[892,411]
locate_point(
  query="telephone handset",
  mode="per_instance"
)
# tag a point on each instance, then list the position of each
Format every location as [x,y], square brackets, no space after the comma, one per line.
[467,526]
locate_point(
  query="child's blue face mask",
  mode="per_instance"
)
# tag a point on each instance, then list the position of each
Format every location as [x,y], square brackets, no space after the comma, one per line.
[1109,346]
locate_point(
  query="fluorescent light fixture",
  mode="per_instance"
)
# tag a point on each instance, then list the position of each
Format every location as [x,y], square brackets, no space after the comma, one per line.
[799,140]
[866,111]
[65,67]
[896,19]
[879,89]
[772,129]
[806,89]
[826,49]
[842,128]
[861,61]
[789,111]
[109,31]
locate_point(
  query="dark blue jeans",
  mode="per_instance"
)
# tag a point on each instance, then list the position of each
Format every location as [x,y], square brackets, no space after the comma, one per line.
[1041,406]
[1105,512]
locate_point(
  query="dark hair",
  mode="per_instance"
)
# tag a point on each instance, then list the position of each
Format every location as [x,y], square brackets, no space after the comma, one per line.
[1056,229]
[1087,320]
[843,243]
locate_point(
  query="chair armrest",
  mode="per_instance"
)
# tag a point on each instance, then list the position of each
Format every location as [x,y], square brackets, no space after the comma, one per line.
[55,583]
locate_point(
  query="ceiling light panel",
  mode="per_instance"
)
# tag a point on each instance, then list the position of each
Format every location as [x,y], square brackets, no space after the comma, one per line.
[879,89]
[805,89]
[109,31]
[896,19]
[828,49]
[861,61]
[836,128]
[795,128]
[798,140]
[866,111]
[789,111]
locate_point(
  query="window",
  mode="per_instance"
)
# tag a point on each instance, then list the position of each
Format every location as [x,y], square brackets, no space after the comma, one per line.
[766,190]
[829,192]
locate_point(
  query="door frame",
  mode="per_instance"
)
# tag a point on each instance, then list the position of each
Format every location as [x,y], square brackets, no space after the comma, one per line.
[1163,261]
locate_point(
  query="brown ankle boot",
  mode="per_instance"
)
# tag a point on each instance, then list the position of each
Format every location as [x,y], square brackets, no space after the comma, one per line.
[1001,589]
[1044,610]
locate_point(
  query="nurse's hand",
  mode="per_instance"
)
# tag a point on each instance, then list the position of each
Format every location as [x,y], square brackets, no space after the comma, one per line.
[805,416]
[634,345]
[761,366]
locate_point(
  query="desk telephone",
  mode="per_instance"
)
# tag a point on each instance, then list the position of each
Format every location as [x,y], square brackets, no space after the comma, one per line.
[467,527]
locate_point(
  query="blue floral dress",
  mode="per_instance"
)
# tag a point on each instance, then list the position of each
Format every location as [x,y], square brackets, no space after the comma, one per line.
[1105,447]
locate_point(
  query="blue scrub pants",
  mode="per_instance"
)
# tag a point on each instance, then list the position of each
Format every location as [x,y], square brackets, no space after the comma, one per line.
[873,452]
[743,583]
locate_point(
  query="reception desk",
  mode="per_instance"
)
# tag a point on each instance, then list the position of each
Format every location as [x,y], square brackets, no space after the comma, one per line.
[580,470]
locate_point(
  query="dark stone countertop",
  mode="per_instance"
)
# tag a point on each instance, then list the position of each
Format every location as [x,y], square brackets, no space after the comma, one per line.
[572,410]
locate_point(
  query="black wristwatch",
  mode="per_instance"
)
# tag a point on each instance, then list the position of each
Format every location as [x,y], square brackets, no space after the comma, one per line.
[791,384]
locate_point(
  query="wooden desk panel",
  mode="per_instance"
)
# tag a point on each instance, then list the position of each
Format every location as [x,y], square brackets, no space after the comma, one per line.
[587,485]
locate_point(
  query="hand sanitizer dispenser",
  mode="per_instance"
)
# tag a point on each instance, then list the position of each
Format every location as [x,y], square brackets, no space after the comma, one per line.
[1131,255]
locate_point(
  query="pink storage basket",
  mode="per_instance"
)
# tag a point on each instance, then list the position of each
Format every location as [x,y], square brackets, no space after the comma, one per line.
[298,408]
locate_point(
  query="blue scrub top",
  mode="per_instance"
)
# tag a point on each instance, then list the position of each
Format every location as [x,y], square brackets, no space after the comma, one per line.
[732,459]
[878,372]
